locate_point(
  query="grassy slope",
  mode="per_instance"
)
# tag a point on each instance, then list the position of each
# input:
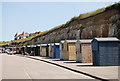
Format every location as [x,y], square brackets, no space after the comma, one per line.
[82,16]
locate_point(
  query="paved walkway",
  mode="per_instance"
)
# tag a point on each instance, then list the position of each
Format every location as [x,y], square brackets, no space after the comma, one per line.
[104,72]
[16,67]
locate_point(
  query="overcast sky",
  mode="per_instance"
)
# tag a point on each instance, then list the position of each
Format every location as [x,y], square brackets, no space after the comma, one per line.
[40,16]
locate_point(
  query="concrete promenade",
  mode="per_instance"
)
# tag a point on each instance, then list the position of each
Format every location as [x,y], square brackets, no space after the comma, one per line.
[18,67]
[36,67]
[103,72]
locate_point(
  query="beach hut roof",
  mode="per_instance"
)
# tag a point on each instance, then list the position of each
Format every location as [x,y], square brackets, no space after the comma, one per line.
[52,44]
[28,45]
[62,41]
[85,40]
[38,45]
[57,43]
[33,45]
[107,39]
[43,44]
[71,41]
[48,44]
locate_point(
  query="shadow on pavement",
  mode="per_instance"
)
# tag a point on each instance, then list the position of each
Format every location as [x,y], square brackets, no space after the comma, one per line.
[85,65]
[91,66]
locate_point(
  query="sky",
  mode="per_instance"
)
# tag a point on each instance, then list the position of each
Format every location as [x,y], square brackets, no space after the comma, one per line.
[0,21]
[30,17]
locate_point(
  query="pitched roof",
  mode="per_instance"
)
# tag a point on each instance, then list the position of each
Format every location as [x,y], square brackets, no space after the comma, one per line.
[23,34]
[16,35]
[107,39]
[71,41]
[85,40]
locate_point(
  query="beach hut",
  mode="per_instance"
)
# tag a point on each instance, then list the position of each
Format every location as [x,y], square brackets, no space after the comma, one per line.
[28,49]
[61,50]
[37,50]
[33,50]
[23,50]
[51,50]
[43,50]
[106,51]
[69,50]
[20,52]
[56,50]
[84,51]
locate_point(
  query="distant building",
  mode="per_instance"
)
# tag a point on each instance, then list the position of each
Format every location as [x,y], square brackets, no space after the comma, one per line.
[16,36]
[21,36]
[25,35]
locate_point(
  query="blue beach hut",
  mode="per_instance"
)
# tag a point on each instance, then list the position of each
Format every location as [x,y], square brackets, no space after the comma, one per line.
[106,51]
[56,50]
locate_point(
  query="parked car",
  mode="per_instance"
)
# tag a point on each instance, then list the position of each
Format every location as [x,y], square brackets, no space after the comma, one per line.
[10,53]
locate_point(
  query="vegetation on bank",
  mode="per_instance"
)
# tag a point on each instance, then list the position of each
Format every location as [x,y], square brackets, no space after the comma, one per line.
[15,41]
[5,43]
[82,16]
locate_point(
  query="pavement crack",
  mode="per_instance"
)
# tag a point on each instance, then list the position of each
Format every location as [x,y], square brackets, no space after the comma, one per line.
[28,75]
